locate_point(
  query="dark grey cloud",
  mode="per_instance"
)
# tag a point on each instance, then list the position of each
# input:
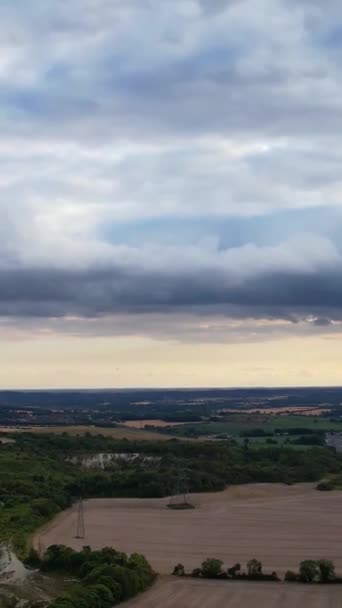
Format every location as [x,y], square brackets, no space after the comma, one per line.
[322,322]
[98,292]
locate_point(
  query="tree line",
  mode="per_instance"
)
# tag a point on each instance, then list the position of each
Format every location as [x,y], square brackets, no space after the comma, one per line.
[310,571]
[214,568]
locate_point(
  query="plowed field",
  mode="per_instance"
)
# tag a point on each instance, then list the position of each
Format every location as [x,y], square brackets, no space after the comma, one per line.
[189,593]
[280,525]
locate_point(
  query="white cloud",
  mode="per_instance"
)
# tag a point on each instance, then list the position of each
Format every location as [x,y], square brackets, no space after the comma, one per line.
[117,111]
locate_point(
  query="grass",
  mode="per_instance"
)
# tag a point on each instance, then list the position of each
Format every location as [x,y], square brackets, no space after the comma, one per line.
[234,425]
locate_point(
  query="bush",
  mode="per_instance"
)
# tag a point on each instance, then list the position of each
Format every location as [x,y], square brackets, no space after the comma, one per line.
[325,486]
[33,559]
[196,573]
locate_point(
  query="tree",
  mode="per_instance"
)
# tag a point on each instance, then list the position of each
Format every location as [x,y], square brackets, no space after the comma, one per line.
[254,567]
[326,570]
[234,570]
[127,579]
[212,568]
[57,557]
[114,587]
[291,577]
[139,563]
[179,570]
[105,595]
[309,571]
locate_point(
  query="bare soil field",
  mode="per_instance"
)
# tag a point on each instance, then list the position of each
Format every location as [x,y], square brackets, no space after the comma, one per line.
[281,525]
[121,432]
[140,424]
[282,410]
[189,593]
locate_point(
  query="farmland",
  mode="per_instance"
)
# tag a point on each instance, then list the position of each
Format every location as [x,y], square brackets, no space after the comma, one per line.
[119,432]
[111,408]
[262,417]
[246,424]
[280,525]
[188,593]
[125,503]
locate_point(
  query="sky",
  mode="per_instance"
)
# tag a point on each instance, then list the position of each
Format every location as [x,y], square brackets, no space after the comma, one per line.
[170,193]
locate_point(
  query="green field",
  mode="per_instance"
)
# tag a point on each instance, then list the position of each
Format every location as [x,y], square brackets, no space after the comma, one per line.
[234,425]
[280,441]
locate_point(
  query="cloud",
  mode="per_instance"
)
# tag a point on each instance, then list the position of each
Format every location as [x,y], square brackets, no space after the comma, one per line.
[147,70]
[322,322]
[161,158]
[293,279]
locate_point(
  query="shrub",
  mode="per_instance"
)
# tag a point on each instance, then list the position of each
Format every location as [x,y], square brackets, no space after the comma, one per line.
[196,573]
[325,486]
[33,558]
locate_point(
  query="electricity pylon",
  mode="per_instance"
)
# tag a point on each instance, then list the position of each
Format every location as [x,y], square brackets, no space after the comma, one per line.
[181,487]
[80,520]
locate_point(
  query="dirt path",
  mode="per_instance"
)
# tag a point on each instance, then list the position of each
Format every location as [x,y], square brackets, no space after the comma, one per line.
[281,525]
[189,593]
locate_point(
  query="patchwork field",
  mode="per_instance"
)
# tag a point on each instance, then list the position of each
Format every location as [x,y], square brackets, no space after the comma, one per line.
[281,525]
[120,432]
[247,422]
[140,424]
[188,593]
